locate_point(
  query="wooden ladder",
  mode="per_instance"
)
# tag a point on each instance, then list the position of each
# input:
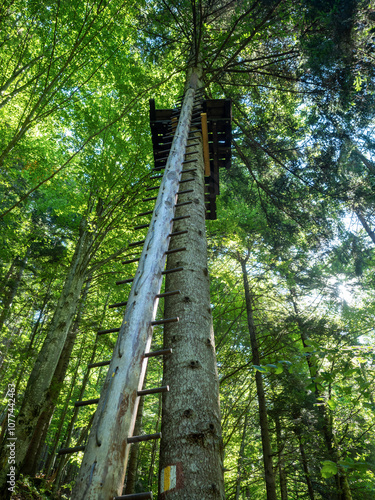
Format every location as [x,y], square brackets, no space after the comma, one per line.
[106,454]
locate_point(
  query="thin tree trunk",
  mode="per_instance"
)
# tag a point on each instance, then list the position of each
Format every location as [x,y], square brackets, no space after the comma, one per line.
[305,468]
[10,290]
[64,459]
[240,458]
[191,464]
[282,474]
[263,419]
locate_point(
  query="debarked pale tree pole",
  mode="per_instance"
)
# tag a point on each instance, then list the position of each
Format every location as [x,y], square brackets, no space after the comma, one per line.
[191,454]
[103,467]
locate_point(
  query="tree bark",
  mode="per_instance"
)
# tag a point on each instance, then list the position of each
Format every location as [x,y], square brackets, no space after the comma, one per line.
[263,419]
[191,464]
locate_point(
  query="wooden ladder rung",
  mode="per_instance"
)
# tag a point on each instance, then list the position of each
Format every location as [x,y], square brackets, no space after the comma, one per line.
[162,352]
[164,321]
[144,437]
[87,402]
[185,191]
[66,451]
[118,304]
[137,243]
[110,330]
[168,294]
[123,282]
[175,270]
[181,217]
[99,363]
[181,205]
[149,212]
[177,233]
[175,250]
[136,496]
[157,390]
[131,260]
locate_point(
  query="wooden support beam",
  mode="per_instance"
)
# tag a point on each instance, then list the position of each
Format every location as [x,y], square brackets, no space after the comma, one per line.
[206,151]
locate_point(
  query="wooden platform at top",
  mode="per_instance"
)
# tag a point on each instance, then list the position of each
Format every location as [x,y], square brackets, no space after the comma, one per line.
[219,122]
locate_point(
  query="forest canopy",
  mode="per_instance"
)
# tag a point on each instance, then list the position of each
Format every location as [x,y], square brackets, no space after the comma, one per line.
[291,254]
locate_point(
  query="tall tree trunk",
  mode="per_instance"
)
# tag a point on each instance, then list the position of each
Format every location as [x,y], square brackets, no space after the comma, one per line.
[191,464]
[263,419]
[39,383]
[9,292]
[282,474]
[240,458]
[305,467]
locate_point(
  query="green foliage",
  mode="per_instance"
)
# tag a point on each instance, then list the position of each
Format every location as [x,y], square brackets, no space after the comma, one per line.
[297,203]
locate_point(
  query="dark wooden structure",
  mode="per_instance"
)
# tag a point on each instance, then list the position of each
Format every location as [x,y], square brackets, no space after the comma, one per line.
[219,125]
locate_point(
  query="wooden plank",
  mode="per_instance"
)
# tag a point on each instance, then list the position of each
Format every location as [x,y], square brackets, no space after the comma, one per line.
[206,152]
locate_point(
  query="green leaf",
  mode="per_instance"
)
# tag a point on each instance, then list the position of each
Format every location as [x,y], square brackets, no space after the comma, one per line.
[260,369]
[331,404]
[329,469]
